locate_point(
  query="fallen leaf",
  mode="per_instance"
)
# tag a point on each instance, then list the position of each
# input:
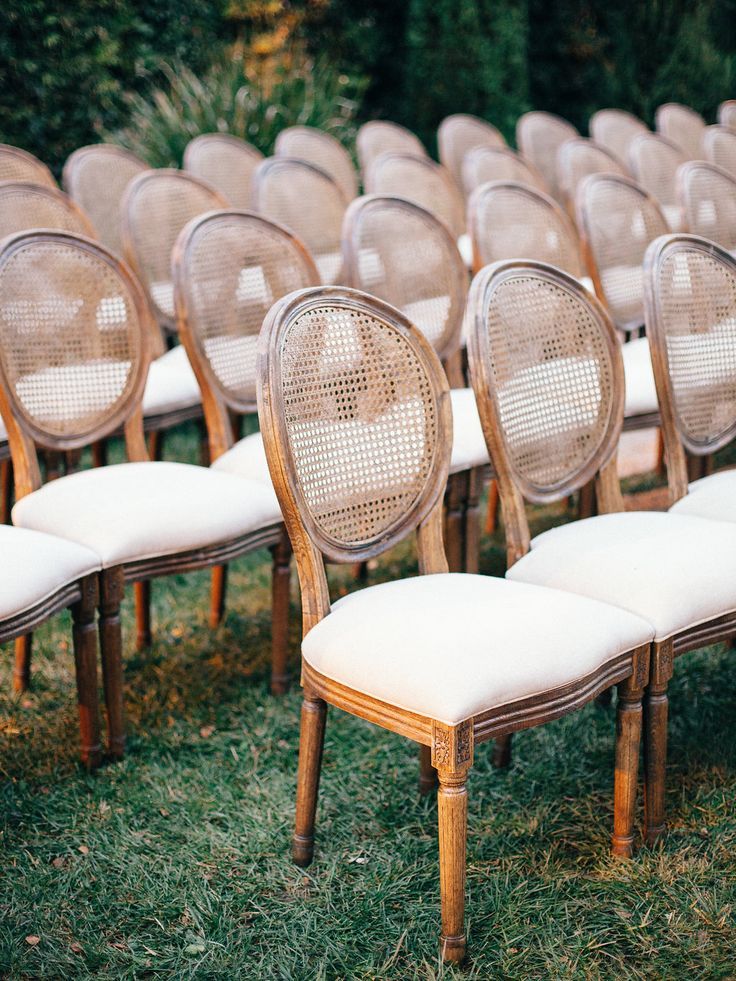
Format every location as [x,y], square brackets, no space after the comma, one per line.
[33,940]
[193,949]
[76,948]
[83,849]
[59,862]
[206,731]
[163,812]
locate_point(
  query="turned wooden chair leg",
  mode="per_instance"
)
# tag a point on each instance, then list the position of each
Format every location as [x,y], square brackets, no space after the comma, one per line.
[471,521]
[218,595]
[204,444]
[427,773]
[142,592]
[655,741]
[626,773]
[587,505]
[99,453]
[155,444]
[492,509]
[502,752]
[112,584]
[6,490]
[311,741]
[280,583]
[454,513]
[22,670]
[85,662]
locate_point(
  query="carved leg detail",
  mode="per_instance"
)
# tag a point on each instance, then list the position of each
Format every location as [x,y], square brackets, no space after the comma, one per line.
[218,595]
[85,660]
[311,740]
[628,741]
[22,671]
[112,585]
[427,773]
[502,752]
[655,741]
[281,579]
[142,591]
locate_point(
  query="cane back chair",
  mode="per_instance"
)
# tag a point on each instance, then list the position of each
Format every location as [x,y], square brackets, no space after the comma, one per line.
[306,200]
[547,372]
[19,165]
[653,162]
[727,113]
[683,126]
[229,268]
[719,147]
[358,467]
[614,129]
[75,338]
[707,196]
[95,178]
[576,159]
[539,136]
[498,163]
[323,150]
[380,136]
[459,134]
[226,163]
[24,205]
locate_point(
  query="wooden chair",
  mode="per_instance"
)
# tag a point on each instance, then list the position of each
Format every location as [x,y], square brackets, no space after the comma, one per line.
[445,660]
[496,163]
[306,200]
[403,254]
[324,151]
[615,129]
[719,147]
[576,159]
[653,162]
[548,375]
[229,268]
[19,165]
[225,163]
[727,113]
[42,576]
[380,136]
[539,136]
[75,337]
[95,177]
[459,134]
[24,205]
[707,196]
[683,126]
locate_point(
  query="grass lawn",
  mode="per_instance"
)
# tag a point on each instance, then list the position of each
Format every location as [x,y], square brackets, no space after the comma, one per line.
[175,863]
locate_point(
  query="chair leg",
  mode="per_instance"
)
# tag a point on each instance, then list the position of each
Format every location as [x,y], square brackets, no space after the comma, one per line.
[587,502]
[155,444]
[471,521]
[427,773]
[112,585]
[454,511]
[492,510]
[85,662]
[142,592]
[218,595]
[280,583]
[626,773]
[655,740]
[311,741]
[22,669]
[502,752]
[6,490]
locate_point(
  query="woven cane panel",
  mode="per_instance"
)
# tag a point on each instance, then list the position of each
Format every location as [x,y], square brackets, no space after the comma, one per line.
[235,268]
[361,420]
[158,207]
[323,150]
[539,136]
[697,315]
[70,338]
[225,162]
[719,144]
[310,204]
[422,181]
[487,163]
[709,202]
[683,126]
[727,113]
[457,135]
[24,206]
[614,130]
[552,377]
[17,165]
[577,159]
[654,162]
[378,137]
[402,255]
[96,178]
[511,221]
[620,222]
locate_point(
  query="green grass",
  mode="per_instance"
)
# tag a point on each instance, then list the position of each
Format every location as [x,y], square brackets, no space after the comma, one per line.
[175,863]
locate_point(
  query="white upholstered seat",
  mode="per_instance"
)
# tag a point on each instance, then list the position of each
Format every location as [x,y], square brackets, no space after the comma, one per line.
[641,392]
[451,646]
[247,458]
[465,248]
[134,511]
[673,570]
[36,566]
[711,497]
[171,384]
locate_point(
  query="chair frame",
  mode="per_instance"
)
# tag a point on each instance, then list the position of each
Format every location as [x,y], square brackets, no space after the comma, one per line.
[45,175]
[661,125]
[445,141]
[564,177]
[594,123]
[349,189]
[536,181]
[635,170]
[55,194]
[227,139]
[365,159]
[522,143]
[724,110]
[446,749]
[711,135]
[682,193]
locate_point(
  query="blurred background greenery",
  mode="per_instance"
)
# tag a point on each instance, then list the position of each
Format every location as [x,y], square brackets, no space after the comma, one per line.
[155,74]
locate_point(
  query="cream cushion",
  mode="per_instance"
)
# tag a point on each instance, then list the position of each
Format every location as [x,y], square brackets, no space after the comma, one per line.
[465,248]
[711,497]
[641,392]
[246,459]
[674,571]
[134,511]
[468,443]
[451,646]
[171,384]
[36,566]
